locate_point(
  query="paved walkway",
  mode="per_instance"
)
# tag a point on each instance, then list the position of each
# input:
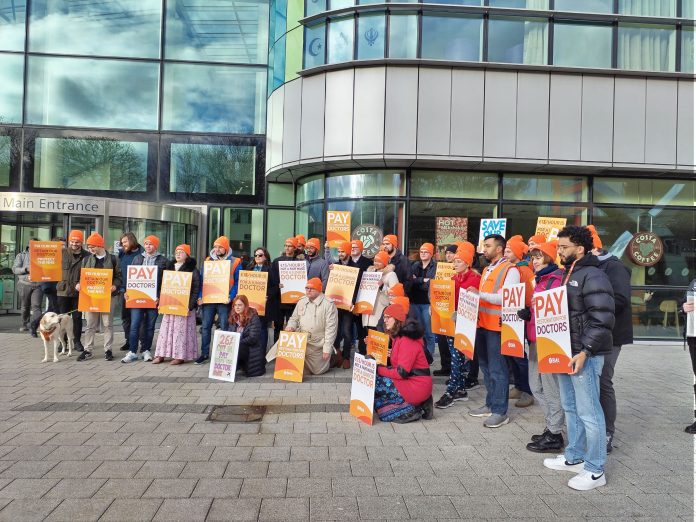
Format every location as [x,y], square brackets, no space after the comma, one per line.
[106,441]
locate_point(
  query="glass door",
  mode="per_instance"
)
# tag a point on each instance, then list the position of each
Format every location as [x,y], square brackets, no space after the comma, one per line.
[8,251]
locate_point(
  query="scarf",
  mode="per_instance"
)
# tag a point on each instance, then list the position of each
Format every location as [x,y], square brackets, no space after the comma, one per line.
[148,259]
[551,267]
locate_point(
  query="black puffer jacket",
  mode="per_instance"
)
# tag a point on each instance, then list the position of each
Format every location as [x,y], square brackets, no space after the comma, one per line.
[591,307]
[252,356]
[189,266]
[402,267]
[620,279]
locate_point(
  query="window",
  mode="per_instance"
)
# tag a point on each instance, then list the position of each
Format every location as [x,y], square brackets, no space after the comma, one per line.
[645,191]
[80,92]
[281,194]
[194,99]
[586,6]
[520,4]
[517,40]
[309,221]
[340,4]
[402,40]
[341,40]
[448,184]
[314,42]
[457,2]
[687,9]
[277,63]
[128,28]
[281,225]
[221,31]
[452,37]
[373,183]
[12,24]
[522,219]
[280,22]
[90,164]
[578,44]
[545,188]
[5,156]
[212,169]
[313,7]
[644,47]
[11,87]
[371,29]
[311,188]
[687,50]
[293,54]
[244,228]
[648,7]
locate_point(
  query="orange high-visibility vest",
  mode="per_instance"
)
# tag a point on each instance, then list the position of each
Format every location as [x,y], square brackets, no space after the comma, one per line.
[527,277]
[491,282]
[233,267]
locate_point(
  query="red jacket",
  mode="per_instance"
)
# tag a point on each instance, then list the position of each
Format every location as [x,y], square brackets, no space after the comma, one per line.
[465,280]
[407,352]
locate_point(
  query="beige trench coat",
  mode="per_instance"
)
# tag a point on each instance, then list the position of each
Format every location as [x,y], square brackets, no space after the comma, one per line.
[319,319]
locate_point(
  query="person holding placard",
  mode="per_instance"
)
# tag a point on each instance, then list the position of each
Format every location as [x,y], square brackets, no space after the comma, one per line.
[464,277]
[100,258]
[221,251]
[345,317]
[281,312]
[316,265]
[300,243]
[30,294]
[442,342]
[147,317]
[68,296]
[262,263]
[403,391]
[177,337]
[544,386]
[245,321]
[317,316]
[418,290]
[591,320]
[402,266]
[386,283]
[690,338]
[129,249]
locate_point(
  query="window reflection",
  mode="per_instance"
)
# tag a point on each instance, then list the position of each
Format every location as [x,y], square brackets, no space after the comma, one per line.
[341,40]
[520,4]
[577,44]
[373,183]
[586,6]
[449,184]
[517,40]
[11,87]
[12,22]
[125,28]
[5,155]
[90,164]
[81,92]
[315,40]
[310,188]
[212,98]
[212,169]
[687,50]
[222,31]
[371,30]
[402,40]
[648,7]
[549,188]
[452,37]
[642,191]
[645,47]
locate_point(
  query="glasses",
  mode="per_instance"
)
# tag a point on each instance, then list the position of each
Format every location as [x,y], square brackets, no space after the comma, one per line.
[259,255]
[565,247]
[309,289]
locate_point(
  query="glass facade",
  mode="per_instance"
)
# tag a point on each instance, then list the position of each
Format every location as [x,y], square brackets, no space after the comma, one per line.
[451,37]
[517,40]
[11,87]
[579,44]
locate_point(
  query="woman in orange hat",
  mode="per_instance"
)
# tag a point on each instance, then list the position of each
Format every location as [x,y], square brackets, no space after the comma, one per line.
[386,283]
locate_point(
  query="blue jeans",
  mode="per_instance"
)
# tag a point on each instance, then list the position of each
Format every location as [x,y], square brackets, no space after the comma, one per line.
[457,375]
[423,315]
[138,316]
[520,370]
[495,370]
[209,312]
[584,416]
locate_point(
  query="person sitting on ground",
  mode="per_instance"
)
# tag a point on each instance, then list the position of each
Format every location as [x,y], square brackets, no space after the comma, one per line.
[245,321]
[403,391]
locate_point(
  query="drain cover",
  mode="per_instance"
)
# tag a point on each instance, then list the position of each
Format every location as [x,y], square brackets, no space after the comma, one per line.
[236,413]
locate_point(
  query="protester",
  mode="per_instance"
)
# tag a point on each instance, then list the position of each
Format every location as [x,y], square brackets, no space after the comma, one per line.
[591,311]
[544,386]
[177,337]
[403,391]
[620,278]
[345,317]
[386,283]
[464,277]
[30,294]
[500,272]
[687,308]
[402,267]
[442,343]
[145,317]
[421,273]
[362,263]
[316,265]
[245,321]
[262,263]
[50,288]
[317,316]
[280,312]
[515,251]
[129,249]
[221,251]
[68,295]
[100,258]
[300,243]
[535,240]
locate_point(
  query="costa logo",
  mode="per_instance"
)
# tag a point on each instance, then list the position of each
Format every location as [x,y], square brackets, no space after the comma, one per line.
[371,237]
[645,249]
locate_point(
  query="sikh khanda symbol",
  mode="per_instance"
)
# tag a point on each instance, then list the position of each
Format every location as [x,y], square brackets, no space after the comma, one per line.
[371,36]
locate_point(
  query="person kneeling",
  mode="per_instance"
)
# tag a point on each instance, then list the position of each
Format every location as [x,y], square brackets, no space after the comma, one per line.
[403,392]
[245,321]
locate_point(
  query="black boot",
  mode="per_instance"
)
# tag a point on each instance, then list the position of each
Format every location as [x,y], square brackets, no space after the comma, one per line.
[539,437]
[427,409]
[411,416]
[78,346]
[551,443]
[691,429]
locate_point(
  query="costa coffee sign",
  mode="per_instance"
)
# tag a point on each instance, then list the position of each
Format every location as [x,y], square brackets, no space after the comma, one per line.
[371,237]
[645,249]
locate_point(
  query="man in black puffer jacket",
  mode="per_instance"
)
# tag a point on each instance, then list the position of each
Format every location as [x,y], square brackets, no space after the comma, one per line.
[591,319]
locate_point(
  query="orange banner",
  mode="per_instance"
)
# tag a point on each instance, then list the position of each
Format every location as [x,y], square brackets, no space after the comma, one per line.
[95,290]
[175,292]
[337,227]
[378,346]
[442,307]
[550,227]
[290,356]
[512,327]
[45,261]
[141,286]
[444,271]
[341,285]
[216,281]
[254,285]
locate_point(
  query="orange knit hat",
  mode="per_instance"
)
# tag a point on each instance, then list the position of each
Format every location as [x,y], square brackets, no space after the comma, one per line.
[292,241]
[405,302]
[429,247]
[76,235]
[382,257]
[518,247]
[550,249]
[465,252]
[396,311]
[315,283]
[537,238]
[223,242]
[314,242]
[184,248]
[596,242]
[95,239]
[154,240]
[345,246]
[300,240]
[397,289]
[392,240]
[356,243]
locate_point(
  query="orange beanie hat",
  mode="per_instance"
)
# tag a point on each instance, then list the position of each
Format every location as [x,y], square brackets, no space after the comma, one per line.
[465,252]
[154,240]
[382,257]
[392,240]
[396,311]
[550,249]
[356,243]
[184,248]
[429,247]
[96,240]
[397,289]
[315,283]
[537,238]
[518,247]
[300,240]
[223,242]
[596,242]
[292,241]
[404,302]
[76,235]
[345,246]
[314,242]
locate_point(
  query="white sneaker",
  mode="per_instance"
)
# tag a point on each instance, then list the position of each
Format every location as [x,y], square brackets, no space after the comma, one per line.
[586,480]
[147,356]
[560,463]
[130,357]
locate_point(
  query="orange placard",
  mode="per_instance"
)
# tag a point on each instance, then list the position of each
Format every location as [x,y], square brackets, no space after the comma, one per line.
[290,356]
[175,292]
[337,227]
[45,261]
[378,346]
[341,285]
[362,390]
[95,290]
[442,307]
[141,286]
[444,271]
[216,281]
[254,285]
[512,327]
[549,227]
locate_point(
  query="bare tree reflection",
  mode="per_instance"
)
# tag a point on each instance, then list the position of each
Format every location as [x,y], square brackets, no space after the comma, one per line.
[213,169]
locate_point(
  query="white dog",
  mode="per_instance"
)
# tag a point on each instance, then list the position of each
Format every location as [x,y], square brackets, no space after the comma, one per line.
[54,327]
